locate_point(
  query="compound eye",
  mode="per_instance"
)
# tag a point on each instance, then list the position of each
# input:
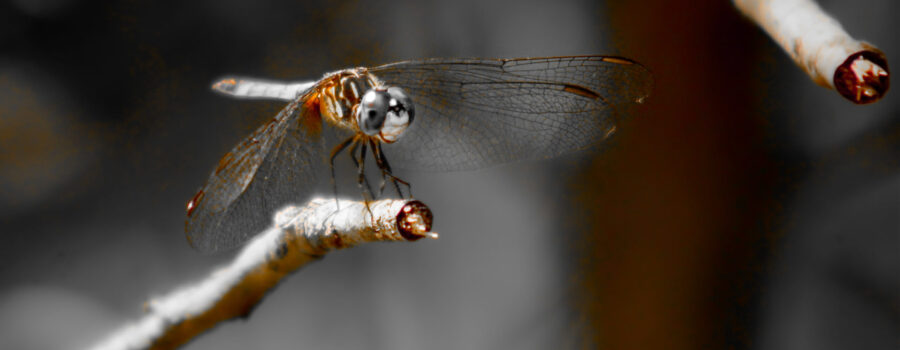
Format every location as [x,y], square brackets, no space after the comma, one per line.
[400,114]
[372,111]
[404,102]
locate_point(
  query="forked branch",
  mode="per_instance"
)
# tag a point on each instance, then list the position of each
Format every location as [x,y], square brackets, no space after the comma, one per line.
[300,235]
[819,45]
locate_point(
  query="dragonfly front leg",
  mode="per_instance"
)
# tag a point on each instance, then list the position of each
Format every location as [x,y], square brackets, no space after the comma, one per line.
[376,153]
[362,181]
[382,162]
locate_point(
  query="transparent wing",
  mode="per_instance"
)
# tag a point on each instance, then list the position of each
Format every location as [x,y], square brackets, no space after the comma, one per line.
[278,164]
[473,113]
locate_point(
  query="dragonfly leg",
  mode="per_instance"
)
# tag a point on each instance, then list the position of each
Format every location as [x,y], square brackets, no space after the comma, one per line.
[386,171]
[334,152]
[359,163]
[376,153]
[362,181]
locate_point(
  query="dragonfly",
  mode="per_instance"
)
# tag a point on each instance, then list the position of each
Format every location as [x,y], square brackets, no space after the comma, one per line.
[432,114]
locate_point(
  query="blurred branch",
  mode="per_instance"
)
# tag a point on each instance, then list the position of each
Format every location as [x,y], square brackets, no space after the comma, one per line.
[818,43]
[300,235]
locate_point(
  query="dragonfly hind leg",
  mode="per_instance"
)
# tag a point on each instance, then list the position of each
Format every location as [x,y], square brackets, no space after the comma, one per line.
[334,153]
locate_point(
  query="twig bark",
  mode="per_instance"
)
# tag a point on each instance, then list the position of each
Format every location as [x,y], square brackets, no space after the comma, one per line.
[818,43]
[300,235]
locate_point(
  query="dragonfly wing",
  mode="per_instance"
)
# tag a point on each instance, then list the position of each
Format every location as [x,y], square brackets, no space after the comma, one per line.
[276,165]
[473,113]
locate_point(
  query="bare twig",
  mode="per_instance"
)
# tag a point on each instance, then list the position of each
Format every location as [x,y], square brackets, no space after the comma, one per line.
[818,43]
[300,235]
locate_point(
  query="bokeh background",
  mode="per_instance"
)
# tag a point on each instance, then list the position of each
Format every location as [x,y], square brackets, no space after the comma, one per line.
[741,207]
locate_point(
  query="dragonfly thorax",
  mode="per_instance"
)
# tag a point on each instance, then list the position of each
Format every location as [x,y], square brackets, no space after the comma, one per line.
[340,93]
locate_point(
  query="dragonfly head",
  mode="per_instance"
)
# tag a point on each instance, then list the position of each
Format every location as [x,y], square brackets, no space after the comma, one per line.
[385,113]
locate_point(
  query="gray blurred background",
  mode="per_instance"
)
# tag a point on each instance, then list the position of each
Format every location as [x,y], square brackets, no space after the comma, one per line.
[741,207]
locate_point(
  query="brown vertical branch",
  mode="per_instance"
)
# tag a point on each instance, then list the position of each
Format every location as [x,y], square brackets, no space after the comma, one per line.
[671,209]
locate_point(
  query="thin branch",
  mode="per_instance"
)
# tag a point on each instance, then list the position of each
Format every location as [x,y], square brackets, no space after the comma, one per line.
[818,43]
[300,235]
